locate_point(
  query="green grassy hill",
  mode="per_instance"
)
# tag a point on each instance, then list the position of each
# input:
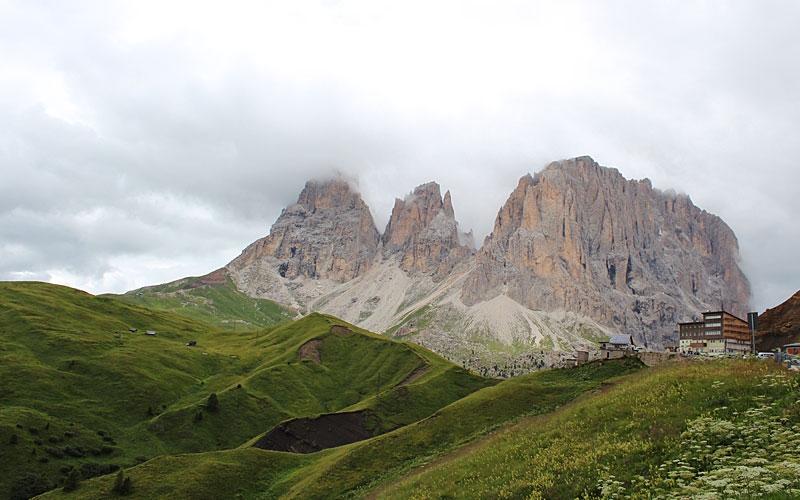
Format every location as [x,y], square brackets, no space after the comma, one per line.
[213,299]
[354,470]
[80,389]
[710,429]
[706,429]
[75,394]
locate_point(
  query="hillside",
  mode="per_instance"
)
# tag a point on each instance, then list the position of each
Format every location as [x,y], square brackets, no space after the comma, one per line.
[724,428]
[81,389]
[213,299]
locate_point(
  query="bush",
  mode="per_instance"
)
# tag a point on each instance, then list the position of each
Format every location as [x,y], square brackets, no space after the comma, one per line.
[94,469]
[73,479]
[76,452]
[122,485]
[213,402]
[29,486]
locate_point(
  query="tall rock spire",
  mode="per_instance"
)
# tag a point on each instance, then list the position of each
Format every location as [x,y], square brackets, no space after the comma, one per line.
[423,232]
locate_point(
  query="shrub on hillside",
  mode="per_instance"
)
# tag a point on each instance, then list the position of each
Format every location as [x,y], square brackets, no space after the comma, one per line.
[72,480]
[213,402]
[29,486]
[122,485]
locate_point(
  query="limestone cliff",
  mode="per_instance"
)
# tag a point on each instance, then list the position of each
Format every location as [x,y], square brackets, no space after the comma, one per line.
[423,233]
[328,234]
[580,237]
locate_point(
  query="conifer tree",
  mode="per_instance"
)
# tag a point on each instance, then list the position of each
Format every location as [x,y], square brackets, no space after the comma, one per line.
[73,479]
[122,485]
[213,402]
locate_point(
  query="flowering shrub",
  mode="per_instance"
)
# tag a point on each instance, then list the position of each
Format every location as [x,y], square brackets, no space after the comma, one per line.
[729,454]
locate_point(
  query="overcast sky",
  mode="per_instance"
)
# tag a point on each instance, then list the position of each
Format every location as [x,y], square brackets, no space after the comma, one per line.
[145,141]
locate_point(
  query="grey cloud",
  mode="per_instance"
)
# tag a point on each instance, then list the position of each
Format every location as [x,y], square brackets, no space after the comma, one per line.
[178,156]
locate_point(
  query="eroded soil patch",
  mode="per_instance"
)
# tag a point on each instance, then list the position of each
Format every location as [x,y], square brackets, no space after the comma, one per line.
[420,371]
[341,331]
[307,435]
[311,350]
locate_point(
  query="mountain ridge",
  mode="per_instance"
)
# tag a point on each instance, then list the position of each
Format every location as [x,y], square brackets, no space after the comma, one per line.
[583,251]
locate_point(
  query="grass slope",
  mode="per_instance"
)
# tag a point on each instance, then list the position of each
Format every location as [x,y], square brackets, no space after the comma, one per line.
[706,429]
[662,433]
[220,304]
[353,471]
[78,389]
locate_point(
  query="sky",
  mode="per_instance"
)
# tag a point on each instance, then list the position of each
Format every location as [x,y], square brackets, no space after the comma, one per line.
[146,141]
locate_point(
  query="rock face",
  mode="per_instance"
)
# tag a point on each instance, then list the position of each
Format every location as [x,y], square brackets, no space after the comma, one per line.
[580,237]
[780,325]
[423,233]
[328,234]
[577,253]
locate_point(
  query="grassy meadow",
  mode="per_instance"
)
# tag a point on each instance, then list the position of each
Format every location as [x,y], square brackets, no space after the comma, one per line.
[707,429]
[150,417]
[222,306]
[81,390]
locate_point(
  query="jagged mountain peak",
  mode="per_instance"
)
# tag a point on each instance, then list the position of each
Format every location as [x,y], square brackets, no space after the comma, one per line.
[423,233]
[582,251]
[329,234]
[336,193]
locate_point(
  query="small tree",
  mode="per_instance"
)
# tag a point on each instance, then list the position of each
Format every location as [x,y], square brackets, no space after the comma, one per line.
[122,485]
[213,402]
[73,479]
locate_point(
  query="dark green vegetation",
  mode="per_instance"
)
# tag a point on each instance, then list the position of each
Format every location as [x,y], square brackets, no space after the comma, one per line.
[212,299]
[81,390]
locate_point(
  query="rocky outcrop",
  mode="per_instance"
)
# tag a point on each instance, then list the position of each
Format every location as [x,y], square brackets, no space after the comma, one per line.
[779,325]
[328,234]
[423,233]
[580,237]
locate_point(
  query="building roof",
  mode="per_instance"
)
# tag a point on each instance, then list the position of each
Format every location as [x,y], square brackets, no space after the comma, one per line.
[621,338]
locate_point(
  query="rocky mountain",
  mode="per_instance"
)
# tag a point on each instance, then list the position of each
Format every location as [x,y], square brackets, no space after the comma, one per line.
[577,253]
[779,325]
[580,237]
[327,242]
[423,233]
[329,233]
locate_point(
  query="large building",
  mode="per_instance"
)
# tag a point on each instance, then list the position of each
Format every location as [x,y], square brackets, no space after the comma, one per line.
[719,333]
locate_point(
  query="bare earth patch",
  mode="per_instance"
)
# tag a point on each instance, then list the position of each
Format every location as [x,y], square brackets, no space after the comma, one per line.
[341,331]
[307,435]
[311,350]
